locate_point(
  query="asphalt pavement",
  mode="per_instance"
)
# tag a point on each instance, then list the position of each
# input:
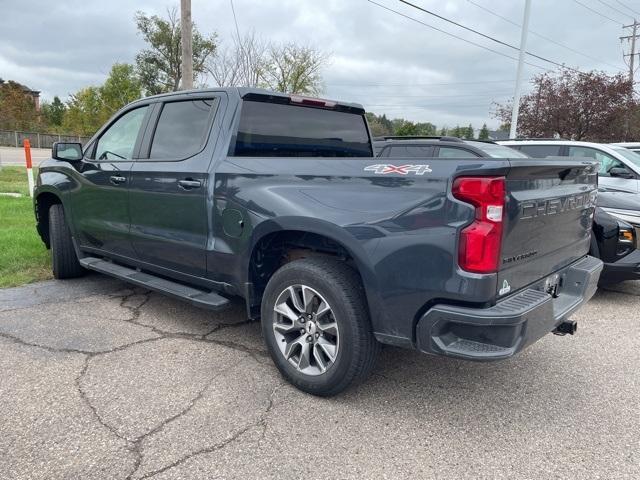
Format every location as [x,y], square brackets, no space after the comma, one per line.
[101,380]
[11,156]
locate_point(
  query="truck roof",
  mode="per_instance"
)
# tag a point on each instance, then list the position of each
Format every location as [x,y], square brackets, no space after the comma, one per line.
[243,92]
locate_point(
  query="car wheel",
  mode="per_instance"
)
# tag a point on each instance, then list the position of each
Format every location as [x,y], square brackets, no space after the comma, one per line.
[315,322]
[63,255]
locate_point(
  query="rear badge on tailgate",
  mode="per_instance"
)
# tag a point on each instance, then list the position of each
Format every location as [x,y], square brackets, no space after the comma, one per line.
[386,168]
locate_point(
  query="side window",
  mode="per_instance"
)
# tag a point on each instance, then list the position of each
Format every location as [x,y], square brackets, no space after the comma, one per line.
[119,140]
[453,152]
[539,151]
[607,162]
[181,129]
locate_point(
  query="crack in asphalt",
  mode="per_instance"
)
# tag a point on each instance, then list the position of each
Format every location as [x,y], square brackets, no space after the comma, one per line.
[262,421]
[135,445]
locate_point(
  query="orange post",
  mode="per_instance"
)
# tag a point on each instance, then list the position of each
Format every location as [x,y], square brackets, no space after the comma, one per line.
[27,155]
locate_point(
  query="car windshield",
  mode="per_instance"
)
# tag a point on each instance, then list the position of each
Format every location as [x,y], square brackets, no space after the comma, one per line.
[498,151]
[629,155]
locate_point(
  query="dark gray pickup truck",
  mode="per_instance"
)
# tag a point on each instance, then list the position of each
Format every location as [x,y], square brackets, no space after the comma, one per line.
[211,194]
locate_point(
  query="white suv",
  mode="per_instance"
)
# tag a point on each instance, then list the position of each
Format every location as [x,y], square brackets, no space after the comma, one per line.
[619,166]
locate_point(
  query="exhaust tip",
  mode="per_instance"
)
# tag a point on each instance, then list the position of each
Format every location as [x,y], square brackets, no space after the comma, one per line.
[567,327]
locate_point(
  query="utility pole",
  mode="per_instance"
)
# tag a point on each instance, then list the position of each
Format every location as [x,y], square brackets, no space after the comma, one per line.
[632,56]
[187,47]
[523,47]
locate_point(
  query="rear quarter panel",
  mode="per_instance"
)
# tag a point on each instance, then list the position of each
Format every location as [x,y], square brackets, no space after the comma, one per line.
[400,229]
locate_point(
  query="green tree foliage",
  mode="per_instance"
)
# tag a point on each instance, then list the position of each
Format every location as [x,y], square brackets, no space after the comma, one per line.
[53,113]
[160,65]
[91,107]
[121,87]
[84,113]
[379,126]
[484,133]
[17,109]
[443,132]
[468,134]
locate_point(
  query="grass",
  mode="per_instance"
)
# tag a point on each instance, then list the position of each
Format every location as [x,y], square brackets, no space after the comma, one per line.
[23,256]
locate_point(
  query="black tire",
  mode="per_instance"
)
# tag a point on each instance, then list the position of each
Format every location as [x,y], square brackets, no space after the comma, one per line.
[63,256]
[340,285]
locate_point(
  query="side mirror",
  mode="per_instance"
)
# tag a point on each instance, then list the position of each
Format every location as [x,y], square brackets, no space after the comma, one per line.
[67,152]
[620,172]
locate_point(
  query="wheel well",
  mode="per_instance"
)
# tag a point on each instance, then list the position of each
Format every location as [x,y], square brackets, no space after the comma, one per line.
[278,248]
[44,201]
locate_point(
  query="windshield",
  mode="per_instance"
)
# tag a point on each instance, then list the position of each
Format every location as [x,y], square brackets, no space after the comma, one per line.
[498,151]
[633,157]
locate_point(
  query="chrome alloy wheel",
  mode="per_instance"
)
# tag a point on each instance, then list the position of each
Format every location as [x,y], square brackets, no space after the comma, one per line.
[305,329]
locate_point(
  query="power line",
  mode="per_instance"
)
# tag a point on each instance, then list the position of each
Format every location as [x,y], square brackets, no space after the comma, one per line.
[628,7]
[500,42]
[453,35]
[235,20]
[491,12]
[597,13]
[614,8]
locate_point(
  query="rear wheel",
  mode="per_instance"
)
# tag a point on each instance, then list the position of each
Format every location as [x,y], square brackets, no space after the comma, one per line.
[63,256]
[316,325]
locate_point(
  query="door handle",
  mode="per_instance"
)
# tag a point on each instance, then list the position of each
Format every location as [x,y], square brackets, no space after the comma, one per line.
[116,179]
[189,184]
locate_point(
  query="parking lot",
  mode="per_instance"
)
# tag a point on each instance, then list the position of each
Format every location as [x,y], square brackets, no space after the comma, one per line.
[103,381]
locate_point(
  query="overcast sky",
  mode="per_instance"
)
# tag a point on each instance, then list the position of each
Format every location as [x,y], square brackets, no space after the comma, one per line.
[389,63]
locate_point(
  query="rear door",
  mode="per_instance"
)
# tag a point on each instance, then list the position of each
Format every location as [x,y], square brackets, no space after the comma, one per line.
[168,192]
[548,218]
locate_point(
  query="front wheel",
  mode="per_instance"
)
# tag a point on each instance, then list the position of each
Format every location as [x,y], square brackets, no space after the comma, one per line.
[63,255]
[316,325]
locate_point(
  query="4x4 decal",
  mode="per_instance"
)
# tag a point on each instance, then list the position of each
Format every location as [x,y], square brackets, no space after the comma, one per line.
[386,168]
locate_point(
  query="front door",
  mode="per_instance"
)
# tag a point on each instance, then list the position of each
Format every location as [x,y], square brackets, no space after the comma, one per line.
[168,191]
[607,162]
[100,204]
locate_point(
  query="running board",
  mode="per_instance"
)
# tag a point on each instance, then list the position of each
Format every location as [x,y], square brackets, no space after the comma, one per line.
[199,298]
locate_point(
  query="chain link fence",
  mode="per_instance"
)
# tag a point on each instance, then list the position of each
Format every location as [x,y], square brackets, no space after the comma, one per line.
[38,140]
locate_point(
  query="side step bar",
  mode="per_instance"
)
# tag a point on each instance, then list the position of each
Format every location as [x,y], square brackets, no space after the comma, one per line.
[199,298]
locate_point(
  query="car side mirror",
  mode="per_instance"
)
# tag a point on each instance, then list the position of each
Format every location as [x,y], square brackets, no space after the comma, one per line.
[67,152]
[620,172]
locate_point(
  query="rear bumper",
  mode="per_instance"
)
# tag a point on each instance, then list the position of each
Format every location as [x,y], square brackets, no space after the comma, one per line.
[627,268]
[513,323]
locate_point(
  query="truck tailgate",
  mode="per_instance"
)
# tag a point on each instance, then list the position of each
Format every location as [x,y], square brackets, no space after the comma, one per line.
[548,218]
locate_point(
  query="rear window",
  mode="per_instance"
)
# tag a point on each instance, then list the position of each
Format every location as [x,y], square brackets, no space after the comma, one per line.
[541,151]
[181,129]
[411,151]
[276,130]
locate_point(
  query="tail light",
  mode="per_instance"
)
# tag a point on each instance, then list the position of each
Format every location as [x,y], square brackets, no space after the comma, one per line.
[480,242]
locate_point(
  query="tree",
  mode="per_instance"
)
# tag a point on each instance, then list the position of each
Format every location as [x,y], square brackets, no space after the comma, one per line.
[407,129]
[469,133]
[17,109]
[160,66]
[290,68]
[84,112]
[91,107]
[53,113]
[443,132]
[121,87]
[580,106]
[484,133]
[240,65]
[377,126]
